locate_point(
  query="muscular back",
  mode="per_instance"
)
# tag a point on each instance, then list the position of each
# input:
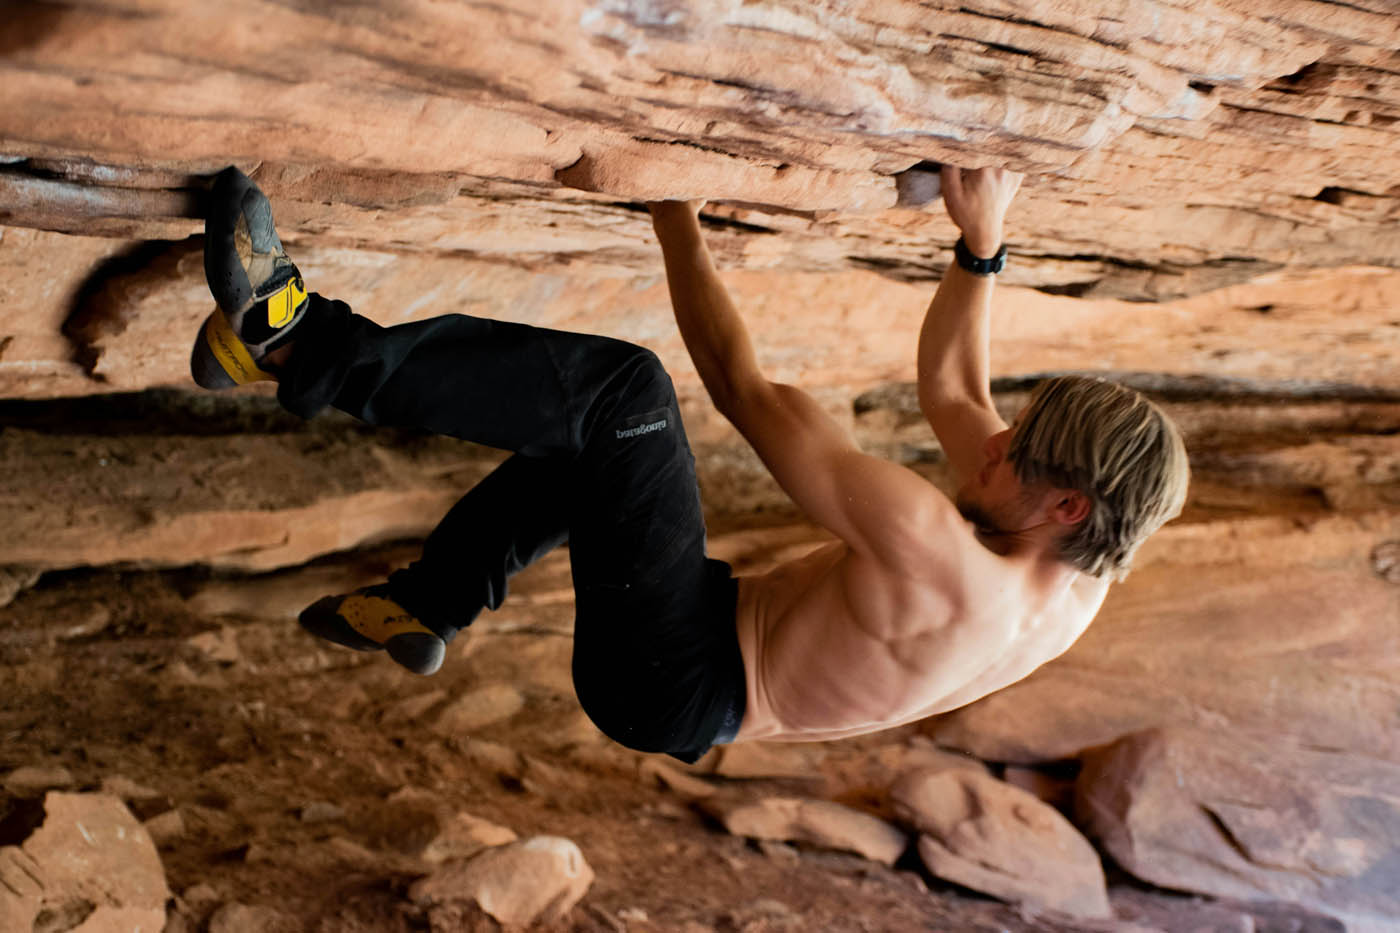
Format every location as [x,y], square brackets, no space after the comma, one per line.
[837,644]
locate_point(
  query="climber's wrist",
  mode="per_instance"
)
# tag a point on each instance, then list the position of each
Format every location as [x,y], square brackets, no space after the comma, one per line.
[983,242]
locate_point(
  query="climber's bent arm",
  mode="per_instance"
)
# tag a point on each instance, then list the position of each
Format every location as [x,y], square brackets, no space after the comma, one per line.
[955,342]
[955,391]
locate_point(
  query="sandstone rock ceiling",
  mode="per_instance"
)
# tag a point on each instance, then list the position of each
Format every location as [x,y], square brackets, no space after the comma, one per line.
[1175,146]
[428,157]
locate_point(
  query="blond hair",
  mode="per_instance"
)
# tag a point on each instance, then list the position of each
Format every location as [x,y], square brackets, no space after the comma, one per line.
[1118,449]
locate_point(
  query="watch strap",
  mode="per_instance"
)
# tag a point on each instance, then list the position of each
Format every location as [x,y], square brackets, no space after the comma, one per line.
[975,264]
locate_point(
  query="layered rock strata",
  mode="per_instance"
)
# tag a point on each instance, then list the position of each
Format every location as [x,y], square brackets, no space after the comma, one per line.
[1176,148]
[85,315]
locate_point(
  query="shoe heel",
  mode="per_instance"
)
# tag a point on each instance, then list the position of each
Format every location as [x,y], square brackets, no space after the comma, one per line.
[219,360]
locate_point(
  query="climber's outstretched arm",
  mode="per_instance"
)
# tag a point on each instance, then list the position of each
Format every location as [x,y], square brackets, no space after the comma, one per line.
[878,508]
[713,332]
[954,344]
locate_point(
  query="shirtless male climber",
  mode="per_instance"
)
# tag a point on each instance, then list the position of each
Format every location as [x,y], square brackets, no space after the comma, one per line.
[918,607]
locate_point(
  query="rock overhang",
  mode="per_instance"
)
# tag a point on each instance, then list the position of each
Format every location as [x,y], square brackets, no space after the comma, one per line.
[1158,135]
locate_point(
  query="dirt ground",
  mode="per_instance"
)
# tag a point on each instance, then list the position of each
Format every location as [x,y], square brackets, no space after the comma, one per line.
[307,779]
[241,723]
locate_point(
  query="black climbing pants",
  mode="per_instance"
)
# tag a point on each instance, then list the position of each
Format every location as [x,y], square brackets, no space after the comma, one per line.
[600,460]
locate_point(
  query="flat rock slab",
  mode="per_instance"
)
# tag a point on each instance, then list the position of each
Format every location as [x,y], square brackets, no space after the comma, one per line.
[764,760]
[993,837]
[1172,913]
[1234,816]
[34,780]
[820,823]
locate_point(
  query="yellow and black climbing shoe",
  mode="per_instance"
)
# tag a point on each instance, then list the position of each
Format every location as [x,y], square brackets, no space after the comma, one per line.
[260,293]
[369,620]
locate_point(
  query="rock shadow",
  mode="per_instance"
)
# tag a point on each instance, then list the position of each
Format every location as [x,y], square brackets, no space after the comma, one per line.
[24,23]
[100,309]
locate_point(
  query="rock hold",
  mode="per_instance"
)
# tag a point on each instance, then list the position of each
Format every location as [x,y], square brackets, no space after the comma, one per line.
[646,170]
[15,580]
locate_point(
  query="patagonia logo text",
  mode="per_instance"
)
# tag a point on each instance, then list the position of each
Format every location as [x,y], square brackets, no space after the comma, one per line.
[641,429]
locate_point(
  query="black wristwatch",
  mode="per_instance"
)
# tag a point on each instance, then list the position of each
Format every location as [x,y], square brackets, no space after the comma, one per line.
[976,265]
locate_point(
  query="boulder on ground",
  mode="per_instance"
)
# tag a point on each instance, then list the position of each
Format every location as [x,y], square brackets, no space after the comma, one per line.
[1234,816]
[87,860]
[998,839]
[538,879]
